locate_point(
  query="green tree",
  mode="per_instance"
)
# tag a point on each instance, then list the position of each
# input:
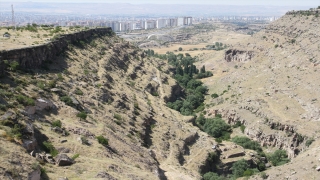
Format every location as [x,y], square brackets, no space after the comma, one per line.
[180,49]
[239,167]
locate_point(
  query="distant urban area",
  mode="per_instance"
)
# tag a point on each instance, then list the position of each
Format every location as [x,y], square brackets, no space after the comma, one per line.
[119,24]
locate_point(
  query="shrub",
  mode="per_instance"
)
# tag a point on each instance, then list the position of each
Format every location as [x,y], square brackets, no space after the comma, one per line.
[217,128]
[180,49]
[82,115]
[84,140]
[102,140]
[247,143]
[26,101]
[75,156]
[279,157]
[57,123]
[50,148]
[309,142]
[117,116]
[67,100]
[239,168]
[78,92]
[215,95]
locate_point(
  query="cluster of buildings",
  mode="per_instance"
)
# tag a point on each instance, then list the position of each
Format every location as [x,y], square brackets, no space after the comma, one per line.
[123,26]
[117,24]
[239,18]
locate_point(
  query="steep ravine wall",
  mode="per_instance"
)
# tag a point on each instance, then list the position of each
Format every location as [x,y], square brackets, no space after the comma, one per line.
[33,57]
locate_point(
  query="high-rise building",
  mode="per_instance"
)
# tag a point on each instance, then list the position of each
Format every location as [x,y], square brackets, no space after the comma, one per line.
[161,23]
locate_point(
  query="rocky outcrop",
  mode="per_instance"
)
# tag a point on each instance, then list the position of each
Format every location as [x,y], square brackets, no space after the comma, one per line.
[63,160]
[33,57]
[306,12]
[238,55]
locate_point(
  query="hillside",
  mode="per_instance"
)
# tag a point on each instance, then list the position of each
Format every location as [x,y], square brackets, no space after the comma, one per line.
[269,82]
[98,86]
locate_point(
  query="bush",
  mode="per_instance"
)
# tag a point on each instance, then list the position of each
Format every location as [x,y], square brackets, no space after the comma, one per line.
[309,142]
[57,124]
[239,168]
[102,140]
[75,156]
[84,140]
[180,49]
[215,95]
[117,116]
[50,148]
[78,92]
[279,157]
[247,143]
[67,100]
[217,128]
[82,115]
[26,101]
[212,176]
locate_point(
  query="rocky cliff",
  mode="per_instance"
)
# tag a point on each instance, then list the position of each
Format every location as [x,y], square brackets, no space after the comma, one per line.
[275,94]
[33,57]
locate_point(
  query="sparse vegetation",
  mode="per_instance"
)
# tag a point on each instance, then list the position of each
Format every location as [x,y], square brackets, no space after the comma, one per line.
[50,148]
[82,115]
[57,123]
[102,140]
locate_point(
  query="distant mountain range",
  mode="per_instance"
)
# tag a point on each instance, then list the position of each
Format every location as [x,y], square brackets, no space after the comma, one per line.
[121,9]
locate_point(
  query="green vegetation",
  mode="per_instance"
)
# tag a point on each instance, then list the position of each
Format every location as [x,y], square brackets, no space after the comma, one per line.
[50,148]
[82,115]
[67,100]
[309,142]
[215,95]
[180,49]
[57,124]
[26,101]
[215,127]
[213,176]
[193,96]
[78,92]
[75,156]
[279,157]
[102,140]
[13,65]
[248,144]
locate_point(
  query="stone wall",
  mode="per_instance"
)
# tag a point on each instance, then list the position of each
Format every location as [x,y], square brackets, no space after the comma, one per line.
[33,57]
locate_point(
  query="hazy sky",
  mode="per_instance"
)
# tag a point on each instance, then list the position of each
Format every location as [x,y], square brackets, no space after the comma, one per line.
[311,3]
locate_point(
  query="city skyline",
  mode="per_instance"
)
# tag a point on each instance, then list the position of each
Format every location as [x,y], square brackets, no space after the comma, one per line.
[211,2]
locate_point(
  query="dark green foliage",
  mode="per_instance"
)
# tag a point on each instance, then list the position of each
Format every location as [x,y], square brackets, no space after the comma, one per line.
[309,142]
[117,116]
[67,100]
[279,157]
[50,148]
[239,167]
[213,176]
[102,140]
[180,49]
[248,144]
[215,127]
[57,124]
[78,92]
[31,28]
[215,95]
[26,101]
[82,115]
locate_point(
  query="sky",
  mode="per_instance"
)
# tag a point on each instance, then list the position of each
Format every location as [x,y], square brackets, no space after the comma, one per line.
[311,3]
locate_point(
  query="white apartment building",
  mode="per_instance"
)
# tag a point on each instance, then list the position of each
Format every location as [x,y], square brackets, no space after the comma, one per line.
[161,23]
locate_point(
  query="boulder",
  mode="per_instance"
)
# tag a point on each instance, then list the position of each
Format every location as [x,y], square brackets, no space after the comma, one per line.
[42,104]
[63,160]
[8,115]
[105,175]
[35,175]
[30,110]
